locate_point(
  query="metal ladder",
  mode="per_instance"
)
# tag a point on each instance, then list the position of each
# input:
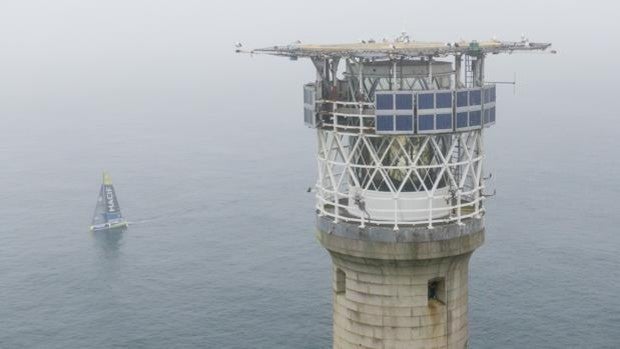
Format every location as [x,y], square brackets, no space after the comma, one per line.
[456,172]
[456,157]
[469,72]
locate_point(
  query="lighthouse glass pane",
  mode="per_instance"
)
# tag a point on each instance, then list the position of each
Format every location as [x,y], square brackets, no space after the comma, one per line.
[444,100]
[425,122]
[385,123]
[474,97]
[426,101]
[443,121]
[384,102]
[487,95]
[487,116]
[461,99]
[404,123]
[493,94]
[493,114]
[461,120]
[404,101]
[474,118]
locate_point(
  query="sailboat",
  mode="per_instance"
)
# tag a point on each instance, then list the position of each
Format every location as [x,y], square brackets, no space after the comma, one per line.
[107,212]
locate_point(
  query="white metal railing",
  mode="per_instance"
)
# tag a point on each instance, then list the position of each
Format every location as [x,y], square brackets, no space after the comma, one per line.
[362,178]
[351,111]
[461,210]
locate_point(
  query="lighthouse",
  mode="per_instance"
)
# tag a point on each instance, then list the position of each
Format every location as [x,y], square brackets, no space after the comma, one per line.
[400,191]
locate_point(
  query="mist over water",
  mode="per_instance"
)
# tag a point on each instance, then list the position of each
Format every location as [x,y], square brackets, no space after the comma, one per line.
[210,159]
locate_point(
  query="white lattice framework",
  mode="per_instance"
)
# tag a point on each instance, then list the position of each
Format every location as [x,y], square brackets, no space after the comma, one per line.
[411,179]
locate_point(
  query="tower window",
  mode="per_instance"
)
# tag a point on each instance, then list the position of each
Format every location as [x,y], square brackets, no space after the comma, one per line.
[437,290]
[341,281]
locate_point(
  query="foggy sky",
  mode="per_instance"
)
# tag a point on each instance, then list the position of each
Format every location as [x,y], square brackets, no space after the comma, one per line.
[69,63]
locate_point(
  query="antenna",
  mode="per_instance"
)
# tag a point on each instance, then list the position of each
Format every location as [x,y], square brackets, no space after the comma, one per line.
[513,83]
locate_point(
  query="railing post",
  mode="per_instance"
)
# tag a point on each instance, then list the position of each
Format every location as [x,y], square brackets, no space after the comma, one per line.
[395,213]
[458,206]
[336,205]
[430,212]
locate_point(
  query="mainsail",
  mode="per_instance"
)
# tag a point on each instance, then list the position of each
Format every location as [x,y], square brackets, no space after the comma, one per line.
[107,211]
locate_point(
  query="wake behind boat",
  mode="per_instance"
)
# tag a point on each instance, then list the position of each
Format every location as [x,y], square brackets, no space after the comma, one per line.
[107,212]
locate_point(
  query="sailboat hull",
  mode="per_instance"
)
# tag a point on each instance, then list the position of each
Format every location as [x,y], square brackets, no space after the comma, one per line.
[108,226]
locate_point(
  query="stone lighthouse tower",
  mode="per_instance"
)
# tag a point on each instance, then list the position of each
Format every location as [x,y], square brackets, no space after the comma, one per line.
[400,191]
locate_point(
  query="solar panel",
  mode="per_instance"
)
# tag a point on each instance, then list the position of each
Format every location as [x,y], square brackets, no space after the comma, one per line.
[461,120]
[395,109]
[474,97]
[384,101]
[309,91]
[443,121]
[404,101]
[443,100]
[426,123]
[461,99]
[385,123]
[404,123]
[474,118]
[309,114]
[426,101]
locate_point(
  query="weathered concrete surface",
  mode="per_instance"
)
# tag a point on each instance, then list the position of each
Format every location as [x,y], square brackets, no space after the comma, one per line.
[384,302]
